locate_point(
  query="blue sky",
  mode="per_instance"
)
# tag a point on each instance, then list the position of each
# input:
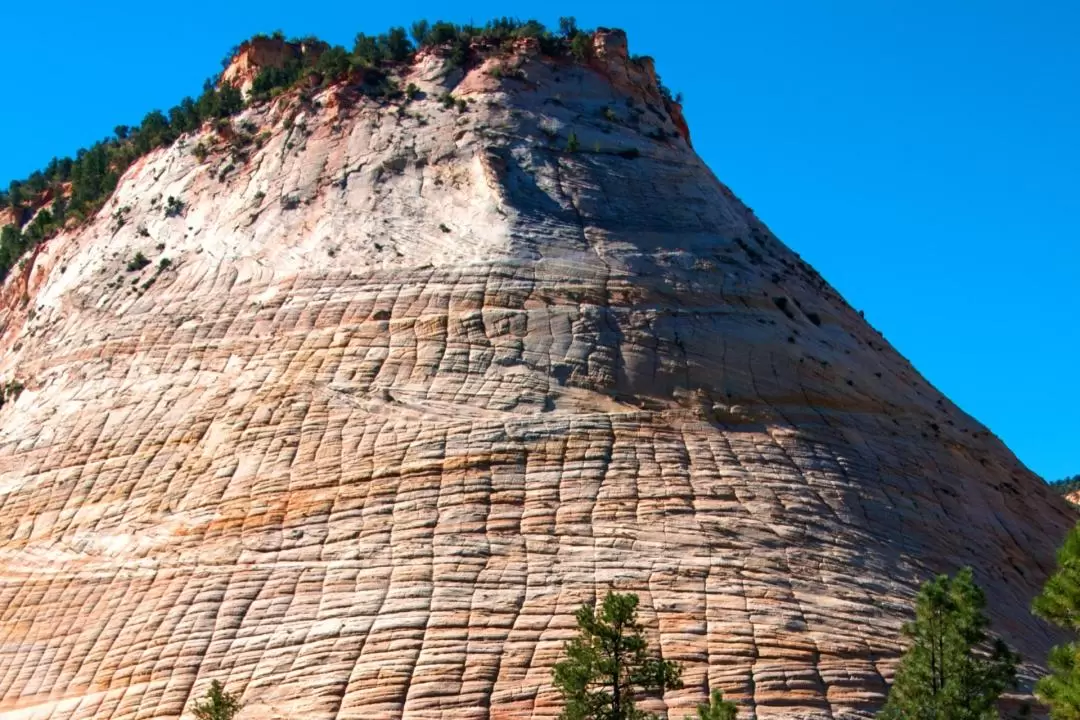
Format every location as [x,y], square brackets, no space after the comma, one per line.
[924,156]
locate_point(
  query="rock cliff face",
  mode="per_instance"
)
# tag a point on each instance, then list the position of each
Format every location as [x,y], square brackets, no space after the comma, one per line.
[403,385]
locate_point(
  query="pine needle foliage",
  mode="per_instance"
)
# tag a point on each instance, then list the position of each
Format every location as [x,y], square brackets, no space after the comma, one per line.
[1059,603]
[952,670]
[608,665]
[217,704]
[717,708]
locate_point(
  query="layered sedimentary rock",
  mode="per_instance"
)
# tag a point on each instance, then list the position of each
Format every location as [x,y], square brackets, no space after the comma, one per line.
[417,381]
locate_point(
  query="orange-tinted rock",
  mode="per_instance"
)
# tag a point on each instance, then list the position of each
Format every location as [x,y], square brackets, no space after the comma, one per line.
[265,52]
[416,382]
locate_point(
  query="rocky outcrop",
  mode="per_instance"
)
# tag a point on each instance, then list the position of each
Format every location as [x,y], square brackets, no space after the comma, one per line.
[13,216]
[263,52]
[402,385]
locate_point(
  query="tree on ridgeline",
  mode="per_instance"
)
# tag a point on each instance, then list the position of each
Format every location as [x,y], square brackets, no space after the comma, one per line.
[1066,486]
[948,672]
[608,665]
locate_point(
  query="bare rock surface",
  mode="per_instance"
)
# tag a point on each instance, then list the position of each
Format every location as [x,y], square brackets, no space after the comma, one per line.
[403,385]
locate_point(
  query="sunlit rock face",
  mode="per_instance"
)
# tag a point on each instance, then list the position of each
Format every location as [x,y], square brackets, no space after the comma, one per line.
[417,381]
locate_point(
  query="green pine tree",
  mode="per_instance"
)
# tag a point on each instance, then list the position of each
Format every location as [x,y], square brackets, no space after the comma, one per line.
[942,676]
[1059,603]
[217,704]
[717,708]
[608,665]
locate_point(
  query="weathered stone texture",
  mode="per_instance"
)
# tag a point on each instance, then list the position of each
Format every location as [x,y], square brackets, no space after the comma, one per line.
[413,390]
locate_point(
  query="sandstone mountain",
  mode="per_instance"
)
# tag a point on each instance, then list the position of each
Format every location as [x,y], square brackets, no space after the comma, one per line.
[355,418]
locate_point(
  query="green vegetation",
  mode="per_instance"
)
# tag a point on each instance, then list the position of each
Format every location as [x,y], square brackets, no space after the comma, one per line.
[173,206]
[608,665]
[1059,603]
[94,172]
[217,704]
[717,708]
[137,263]
[944,674]
[10,391]
[79,186]
[1066,486]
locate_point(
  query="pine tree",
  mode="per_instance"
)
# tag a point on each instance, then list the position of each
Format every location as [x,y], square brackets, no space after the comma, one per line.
[1059,603]
[397,44]
[608,665]
[942,676]
[217,704]
[717,708]
[419,32]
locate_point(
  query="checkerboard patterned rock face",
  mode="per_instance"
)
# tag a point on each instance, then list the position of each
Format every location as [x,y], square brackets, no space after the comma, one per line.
[416,383]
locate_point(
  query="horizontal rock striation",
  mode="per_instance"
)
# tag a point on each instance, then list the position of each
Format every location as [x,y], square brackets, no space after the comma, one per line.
[415,382]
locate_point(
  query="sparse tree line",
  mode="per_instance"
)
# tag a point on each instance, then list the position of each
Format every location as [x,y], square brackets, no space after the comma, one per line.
[73,189]
[1066,486]
[952,670]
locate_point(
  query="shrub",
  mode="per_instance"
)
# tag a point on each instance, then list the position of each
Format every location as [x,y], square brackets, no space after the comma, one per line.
[419,31]
[333,64]
[217,704]
[441,33]
[717,708]
[10,392]
[411,91]
[581,47]
[572,144]
[1066,486]
[138,262]
[397,44]
[173,206]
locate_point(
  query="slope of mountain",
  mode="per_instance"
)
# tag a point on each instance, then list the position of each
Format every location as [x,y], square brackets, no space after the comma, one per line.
[351,402]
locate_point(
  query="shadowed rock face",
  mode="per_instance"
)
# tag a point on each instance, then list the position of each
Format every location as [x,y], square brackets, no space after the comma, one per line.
[419,382]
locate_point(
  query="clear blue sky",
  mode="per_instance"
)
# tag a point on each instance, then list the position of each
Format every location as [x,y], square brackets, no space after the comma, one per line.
[924,156]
